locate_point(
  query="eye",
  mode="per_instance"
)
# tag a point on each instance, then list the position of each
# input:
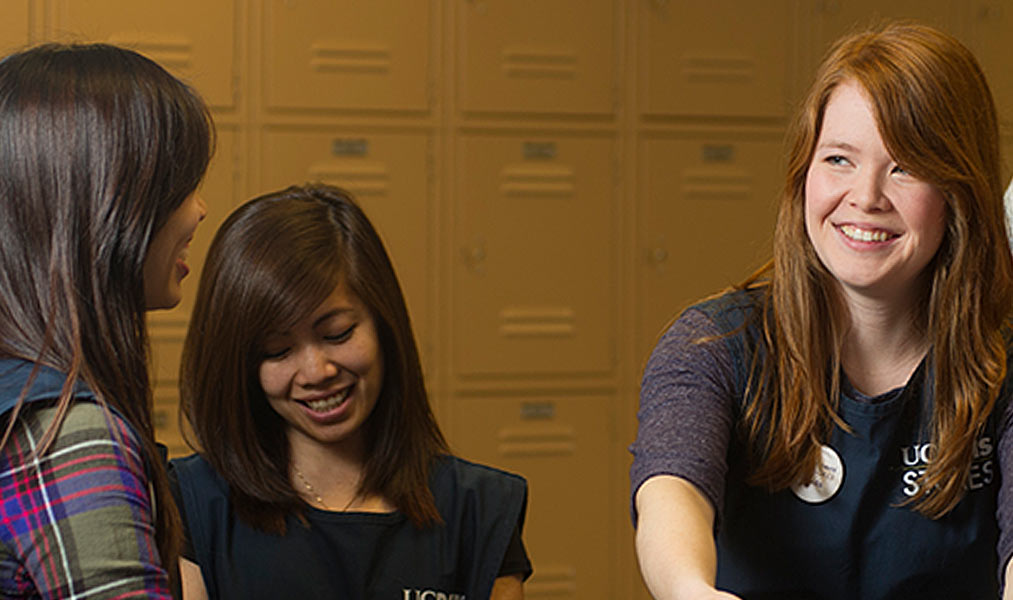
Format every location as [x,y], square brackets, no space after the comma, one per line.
[274,354]
[341,336]
[900,170]
[836,160]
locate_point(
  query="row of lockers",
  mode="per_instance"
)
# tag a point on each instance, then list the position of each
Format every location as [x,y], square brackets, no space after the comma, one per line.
[690,59]
[536,229]
[536,237]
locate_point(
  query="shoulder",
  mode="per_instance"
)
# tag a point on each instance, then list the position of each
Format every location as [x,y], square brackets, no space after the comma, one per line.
[86,427]
[43,383]
[467,474]
[196,477]
[458,484]
[730,310]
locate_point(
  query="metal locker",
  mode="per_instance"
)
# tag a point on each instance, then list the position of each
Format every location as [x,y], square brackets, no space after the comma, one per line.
[560,444]
[711,59]
[194,39]
[327,54]
[522,56]
[709,205]
[534,276]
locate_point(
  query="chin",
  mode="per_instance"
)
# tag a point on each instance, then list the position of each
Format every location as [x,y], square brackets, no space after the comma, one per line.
[166,302]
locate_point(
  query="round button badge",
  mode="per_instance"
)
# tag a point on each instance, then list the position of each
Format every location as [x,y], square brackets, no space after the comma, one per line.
[826,482]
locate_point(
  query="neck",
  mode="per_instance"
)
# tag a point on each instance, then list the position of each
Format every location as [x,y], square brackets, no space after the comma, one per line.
[884,345]
[330,476]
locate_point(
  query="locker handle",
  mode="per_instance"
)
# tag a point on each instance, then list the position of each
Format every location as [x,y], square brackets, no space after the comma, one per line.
[474,257]
[657,255]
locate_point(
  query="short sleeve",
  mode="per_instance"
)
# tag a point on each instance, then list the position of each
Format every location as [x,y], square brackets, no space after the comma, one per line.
[687,400]
[516,561]
[78,521]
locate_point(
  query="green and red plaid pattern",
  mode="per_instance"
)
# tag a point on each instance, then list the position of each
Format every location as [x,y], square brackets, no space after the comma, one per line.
[77,523]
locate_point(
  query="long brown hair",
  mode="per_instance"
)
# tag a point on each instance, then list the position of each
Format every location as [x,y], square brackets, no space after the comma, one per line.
[936,116]
[98,146]
[272,262]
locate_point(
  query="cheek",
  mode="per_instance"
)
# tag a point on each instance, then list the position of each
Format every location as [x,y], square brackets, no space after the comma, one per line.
[809,205]
[928,215]
[271,380]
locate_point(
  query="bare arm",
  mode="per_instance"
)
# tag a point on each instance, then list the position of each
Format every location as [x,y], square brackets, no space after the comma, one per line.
[675,541]
[192,580]
[508,587]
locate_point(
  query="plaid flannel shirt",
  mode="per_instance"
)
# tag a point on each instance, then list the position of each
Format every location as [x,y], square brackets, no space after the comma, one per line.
[76,523]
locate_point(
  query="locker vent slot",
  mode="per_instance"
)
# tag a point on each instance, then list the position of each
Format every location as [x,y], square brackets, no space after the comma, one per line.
[537,181]
[331,57]
[539,64]
[710,185]
[537,322]
[360,179]
[718,69]
[540,441]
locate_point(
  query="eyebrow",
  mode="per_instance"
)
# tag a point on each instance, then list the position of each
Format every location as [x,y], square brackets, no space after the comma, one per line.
[330,314]
[318,321]
[838,145]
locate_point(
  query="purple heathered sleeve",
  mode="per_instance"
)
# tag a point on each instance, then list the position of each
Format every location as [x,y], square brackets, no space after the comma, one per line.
[686,414]
[1004,510]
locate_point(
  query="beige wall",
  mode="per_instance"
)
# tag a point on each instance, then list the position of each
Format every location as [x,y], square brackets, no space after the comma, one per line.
[555,180]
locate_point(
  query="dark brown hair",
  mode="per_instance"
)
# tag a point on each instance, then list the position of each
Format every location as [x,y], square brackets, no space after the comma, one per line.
[937,118]
[272,262]
[98,146]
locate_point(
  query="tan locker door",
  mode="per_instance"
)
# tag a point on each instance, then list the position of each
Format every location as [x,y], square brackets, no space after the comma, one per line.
[993,40]
[168,328]
[387,174]
[195,39]
[534,279]
[531,56]
[560,445]
[16,26]
[831,20]
[718,58]
[710,202]
[347,54]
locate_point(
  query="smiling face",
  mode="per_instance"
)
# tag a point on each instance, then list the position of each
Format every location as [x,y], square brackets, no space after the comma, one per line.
[874,226]
[165,263]
[323,376]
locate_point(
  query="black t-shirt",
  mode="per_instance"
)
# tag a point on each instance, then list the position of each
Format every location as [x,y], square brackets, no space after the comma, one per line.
[355,554]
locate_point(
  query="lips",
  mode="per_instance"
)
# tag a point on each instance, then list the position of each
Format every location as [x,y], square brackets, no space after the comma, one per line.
[181,264]
[862,234]
[328,403]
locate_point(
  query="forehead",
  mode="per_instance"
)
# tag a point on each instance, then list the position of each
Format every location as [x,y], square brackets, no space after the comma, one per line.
[847,107]
[340,301]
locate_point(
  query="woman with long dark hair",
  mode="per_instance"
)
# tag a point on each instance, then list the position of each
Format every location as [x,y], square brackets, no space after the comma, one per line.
[837,426]
[322,472]
[101,154]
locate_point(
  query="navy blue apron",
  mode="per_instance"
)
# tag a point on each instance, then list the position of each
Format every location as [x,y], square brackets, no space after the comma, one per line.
[858,540]
[357,555]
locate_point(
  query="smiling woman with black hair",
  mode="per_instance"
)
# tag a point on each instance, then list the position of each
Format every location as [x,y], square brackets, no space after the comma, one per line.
[322,472]
[101,154]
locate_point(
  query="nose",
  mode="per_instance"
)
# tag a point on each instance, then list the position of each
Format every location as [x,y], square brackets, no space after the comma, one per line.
[869,193]
[315,367]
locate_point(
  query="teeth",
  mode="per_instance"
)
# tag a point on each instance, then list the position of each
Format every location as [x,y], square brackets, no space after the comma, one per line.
[329,403]
[864,235]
